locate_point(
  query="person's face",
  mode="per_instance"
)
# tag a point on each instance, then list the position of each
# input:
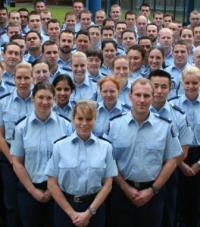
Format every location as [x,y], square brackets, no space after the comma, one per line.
[23,81]
[78,7]
[12,56]
[99,17]
[93,65]
[119,29]
[63,92]
[79,68]
[141,24]
[165,39]
[95,35]
[167,21]
[155,59]
[22,44]
[197,57]
[53,31]
[83,124]
[174,28]
[121,69]
[40,6]
[45,17]
[158,19]
[107,34]
[15,17]
[33,41]
[43,102]
[82,43]
[110,24]
[141,99]
[24,17]
[34,23]
[115,13]
[109,52]
[187,35]
[70,22]
[13,31]
[152,32]
[180,55]
[3,16]
[130,21]
[146,44]
[40,72]
[66,42]
[195,19]
[51,54]
[135,60]
[145,11]
[161,90]
[109,93]
[191,84]
[85,20]
[197,34]
[128,39]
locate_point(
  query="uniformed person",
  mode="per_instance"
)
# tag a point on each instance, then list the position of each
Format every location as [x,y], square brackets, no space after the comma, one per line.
[31,149]
[13,106]
[145,147]
[80,172]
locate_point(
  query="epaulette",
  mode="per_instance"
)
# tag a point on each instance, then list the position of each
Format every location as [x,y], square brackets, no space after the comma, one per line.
[62,138]
[9,83]
[117,116]
[101,137]
[66,118]
[163,118]
[5,95]
[175,97]
[21,119]
[126,106]
[177,108]
[104,74]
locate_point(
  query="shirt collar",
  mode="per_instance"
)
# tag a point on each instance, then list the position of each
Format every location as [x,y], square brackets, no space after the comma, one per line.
[75,138]
[34,118]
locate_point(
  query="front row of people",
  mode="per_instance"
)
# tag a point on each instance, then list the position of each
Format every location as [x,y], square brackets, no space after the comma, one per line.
[66,172]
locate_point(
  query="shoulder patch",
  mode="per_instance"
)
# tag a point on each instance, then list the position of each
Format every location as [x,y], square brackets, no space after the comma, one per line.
[66,118]
[173,98]
[117,116]
[163,118]
[21,119]
[62,138]
[101,137]
[177,108]
[5,95]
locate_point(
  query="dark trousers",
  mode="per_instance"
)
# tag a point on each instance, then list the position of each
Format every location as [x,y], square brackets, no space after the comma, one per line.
[63,220]
[170,200]
[124,213]
[189,208]
[9,185]
[32,212]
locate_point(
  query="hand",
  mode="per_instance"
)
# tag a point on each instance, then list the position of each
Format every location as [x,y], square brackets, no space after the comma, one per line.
[143,197]
[47,195]
[186,170]
[195,168]
[39,195]
[131,193]
[82,218]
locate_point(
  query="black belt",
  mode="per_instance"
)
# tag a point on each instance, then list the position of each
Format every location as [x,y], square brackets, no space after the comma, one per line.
[80,199]
[140,185]
[197,148]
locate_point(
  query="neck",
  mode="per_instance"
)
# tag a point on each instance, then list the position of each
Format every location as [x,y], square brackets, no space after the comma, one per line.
[140,118]
[53,68]
[9,69]
[35,52]
[109,106]
[23,95]
[64,56]
[43,116]
[158,106]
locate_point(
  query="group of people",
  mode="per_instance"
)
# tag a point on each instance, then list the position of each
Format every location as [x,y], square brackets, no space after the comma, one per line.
[99,120]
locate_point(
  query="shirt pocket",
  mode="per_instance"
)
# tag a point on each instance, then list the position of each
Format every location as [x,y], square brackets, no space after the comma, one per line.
[154,154]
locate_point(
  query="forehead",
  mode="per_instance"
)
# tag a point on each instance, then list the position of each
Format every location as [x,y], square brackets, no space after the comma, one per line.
[45,14]
[115,8]
[82,37]
[52,47]
[145,42]
[40,66]
[32,34]
[13,28]
[186,31]
[79,60]
[165,33]
[65,35]
[94,30]
[142,88]
[3,11]
[121,61]
[100,13]
[14,14]
[160,79]
[119,25]
[40,4]
[13,48]
[151,27]
[129,34]
[86,15]
[78,4]
[53,24]
[155,52]
[34,17]
[180,47]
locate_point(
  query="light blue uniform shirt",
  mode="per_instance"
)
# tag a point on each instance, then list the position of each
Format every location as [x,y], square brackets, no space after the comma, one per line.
[124,94]
[12,109]
[86,90]
[5,88]
[30,58]
[34,140]
[178,118]
[103,117]
[65,65]
[141,150]
[8,78]
[192,110]
[176,75]
[95,78]
[65,111]
[105,70]
[83,166]
[56,73]
[4,39]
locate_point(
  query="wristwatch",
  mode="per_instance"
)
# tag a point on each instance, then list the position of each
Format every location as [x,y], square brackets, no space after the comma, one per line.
[92,211]
[155,189]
